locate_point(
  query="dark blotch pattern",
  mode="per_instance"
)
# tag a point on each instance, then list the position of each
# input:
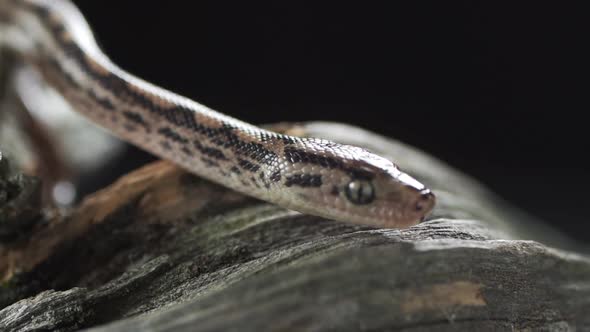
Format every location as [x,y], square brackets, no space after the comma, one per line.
[172,135]
[136,118]
[210,151]
[186,151]
[275,176]
[248,166]
[56,66]
[304,180]
[253,180]
[103,102]
[129,127]
[264,180]
[295,155]
[209,163]
[165,145]
[360,174]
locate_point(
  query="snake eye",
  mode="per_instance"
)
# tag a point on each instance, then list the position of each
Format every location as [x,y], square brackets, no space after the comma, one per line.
[360,192]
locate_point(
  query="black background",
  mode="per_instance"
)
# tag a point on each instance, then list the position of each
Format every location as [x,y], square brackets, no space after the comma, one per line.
[497,90]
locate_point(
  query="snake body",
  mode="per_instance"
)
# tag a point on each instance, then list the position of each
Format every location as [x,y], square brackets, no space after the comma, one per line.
[309,175]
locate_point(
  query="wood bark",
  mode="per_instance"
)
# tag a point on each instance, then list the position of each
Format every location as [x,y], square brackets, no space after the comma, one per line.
[163,250]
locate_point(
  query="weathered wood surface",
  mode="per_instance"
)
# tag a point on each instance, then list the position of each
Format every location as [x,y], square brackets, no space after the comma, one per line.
[162,250]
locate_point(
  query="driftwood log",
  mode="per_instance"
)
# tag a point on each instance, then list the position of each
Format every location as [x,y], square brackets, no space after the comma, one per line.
[163,250]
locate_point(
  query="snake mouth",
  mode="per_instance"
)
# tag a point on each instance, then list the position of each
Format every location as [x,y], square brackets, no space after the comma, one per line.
[423,219]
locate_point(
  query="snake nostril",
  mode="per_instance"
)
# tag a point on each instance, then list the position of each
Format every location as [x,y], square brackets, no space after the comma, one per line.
[425,199]
[419,207]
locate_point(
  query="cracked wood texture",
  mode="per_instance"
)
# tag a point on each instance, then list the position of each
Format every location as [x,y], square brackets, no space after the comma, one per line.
[162,250]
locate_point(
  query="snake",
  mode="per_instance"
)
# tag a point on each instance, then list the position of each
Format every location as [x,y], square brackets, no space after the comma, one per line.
[310,175]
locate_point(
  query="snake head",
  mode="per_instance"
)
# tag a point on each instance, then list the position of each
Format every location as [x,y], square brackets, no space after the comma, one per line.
[385,197]
[351,184]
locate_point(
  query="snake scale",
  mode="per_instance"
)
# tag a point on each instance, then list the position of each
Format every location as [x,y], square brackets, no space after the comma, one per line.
[309,175]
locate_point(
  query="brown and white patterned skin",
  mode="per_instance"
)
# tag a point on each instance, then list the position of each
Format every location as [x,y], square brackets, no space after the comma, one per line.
[309,175]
